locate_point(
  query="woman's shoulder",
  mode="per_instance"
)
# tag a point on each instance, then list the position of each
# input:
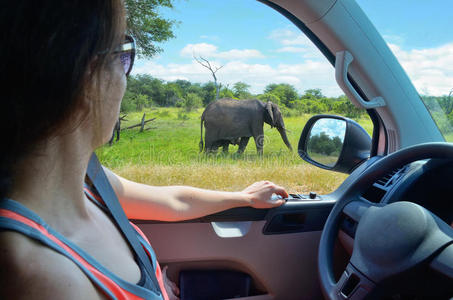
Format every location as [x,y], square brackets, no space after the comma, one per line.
[29,270]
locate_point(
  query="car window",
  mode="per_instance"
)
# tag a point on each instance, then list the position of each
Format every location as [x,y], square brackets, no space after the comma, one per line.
[250,52]
[422,41]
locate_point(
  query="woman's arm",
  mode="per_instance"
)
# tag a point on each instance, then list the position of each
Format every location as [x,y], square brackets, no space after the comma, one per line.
[177,203]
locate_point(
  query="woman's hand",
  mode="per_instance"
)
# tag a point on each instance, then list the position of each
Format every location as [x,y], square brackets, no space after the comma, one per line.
[260,194]
[170,287]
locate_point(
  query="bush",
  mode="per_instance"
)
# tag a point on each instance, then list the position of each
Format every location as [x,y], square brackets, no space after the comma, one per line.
[127,106]
[288,112]
[270,97]
[346,108]
[191,102]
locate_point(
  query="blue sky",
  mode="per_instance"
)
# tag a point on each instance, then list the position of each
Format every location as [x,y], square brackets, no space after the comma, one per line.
[256,45]
[331,127]
[416,24]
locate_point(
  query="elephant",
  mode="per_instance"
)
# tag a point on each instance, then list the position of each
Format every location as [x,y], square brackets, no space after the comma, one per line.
[229,121]
[223,143]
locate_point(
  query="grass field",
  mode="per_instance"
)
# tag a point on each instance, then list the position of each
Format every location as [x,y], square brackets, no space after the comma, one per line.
[168,154]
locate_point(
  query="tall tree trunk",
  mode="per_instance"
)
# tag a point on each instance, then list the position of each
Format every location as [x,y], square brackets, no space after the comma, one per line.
[217,89]
[205,63]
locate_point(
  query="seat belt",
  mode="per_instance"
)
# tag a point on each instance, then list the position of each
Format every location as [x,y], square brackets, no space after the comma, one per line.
[105,190]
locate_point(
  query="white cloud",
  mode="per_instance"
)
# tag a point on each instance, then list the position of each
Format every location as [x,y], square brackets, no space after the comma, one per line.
[331,127]
[240,54]
[430,69]
[312,71]
[293,41]
[289,37]
[211,51]
[202,49]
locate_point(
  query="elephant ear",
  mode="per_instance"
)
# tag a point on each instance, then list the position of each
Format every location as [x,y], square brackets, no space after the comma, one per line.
[270,112]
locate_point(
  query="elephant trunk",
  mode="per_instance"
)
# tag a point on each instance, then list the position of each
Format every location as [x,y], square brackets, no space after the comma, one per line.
[282,131]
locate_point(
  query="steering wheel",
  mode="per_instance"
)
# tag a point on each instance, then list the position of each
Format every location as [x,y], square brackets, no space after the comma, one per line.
[391,240]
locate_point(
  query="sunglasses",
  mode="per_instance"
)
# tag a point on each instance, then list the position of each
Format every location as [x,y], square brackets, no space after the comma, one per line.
[126,52]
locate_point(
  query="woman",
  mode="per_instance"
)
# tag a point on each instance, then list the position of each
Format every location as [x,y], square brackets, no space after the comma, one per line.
[63,74]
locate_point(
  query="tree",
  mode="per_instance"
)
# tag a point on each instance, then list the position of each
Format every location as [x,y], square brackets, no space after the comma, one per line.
[270,88]
[127,104]
[173,94]
[269,97]
[191,102]
[444,102]
[309,106]
[225,92]
[338,143]
[285,92]
[241,90]
[195,88]
[147,27]
[208,92]
[141,101]
[152,87]
[345,107]
[213,69]
[313,94]
[184,86]
[144,90]
[323,144]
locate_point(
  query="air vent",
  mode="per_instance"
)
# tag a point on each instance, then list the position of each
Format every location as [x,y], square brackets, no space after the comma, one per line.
[378,190]
[388,179]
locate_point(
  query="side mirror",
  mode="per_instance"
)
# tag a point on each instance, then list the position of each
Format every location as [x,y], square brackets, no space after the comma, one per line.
[334,143]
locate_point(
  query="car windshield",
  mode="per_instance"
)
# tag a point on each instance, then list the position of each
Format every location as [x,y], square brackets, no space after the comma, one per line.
[424,48]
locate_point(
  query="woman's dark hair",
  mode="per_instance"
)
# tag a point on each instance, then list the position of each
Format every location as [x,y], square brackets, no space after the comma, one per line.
[47,48]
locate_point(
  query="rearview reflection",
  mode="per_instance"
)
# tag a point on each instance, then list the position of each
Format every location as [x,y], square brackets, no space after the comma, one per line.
[326,141]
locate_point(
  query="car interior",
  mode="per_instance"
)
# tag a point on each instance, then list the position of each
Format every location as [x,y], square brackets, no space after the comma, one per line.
[385,233]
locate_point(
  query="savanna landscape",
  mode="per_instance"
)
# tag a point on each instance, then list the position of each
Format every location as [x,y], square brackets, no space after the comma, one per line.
[168,154]
[167,151]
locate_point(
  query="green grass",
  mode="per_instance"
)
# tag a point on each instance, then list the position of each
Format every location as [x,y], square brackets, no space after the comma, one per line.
[168,154]
[323,159]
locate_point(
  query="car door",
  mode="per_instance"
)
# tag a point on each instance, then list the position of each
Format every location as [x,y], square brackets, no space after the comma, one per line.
[277,248]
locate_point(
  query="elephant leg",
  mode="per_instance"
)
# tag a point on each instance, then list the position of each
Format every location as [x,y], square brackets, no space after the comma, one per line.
[225,147]
[207,146]
[259,142]
[208,142]
[215,147]
[212,147]
[243,144]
